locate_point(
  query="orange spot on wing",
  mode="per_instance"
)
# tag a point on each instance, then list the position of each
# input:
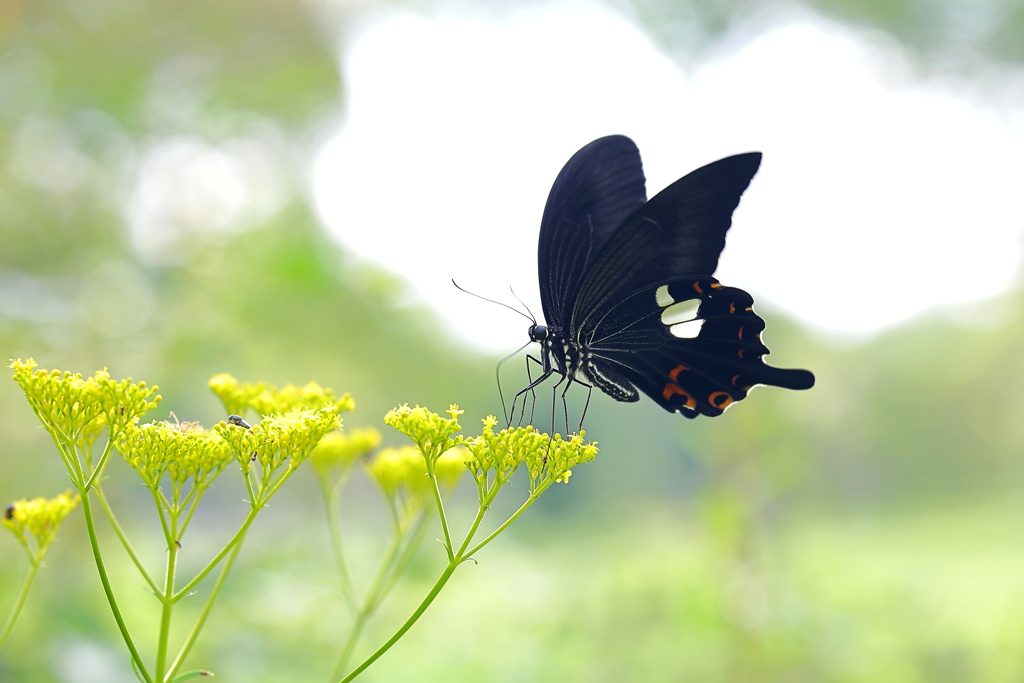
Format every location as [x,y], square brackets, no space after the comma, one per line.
[732,308]
[696,287]
[740,334]
[734,378]
[740,353]
[716,285]
[675,372]
[720,399]
[675,390]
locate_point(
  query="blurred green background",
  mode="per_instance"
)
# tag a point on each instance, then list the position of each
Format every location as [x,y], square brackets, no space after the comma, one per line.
[870,529]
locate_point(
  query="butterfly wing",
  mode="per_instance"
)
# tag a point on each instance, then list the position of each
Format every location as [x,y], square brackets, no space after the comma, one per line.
[680,232]
[595,192]
[692,345]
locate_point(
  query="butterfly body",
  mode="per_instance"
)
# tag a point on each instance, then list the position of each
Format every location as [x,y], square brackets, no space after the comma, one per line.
[630,301]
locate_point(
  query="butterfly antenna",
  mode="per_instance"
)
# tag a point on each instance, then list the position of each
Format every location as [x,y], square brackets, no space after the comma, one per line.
[533,318]
[497,377]
[528,317]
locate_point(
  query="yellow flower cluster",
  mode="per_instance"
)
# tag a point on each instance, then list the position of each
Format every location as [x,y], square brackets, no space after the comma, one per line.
[547,460]
[183,449]
[266,399]
[70,406]
[339,450]
[429,431]
[403,470]
[278,438]
[39,517]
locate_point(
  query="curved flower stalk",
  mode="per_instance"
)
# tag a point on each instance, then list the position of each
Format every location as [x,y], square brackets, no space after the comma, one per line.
[74,410]
[491,458]
[402,478]
[34,523]
[332,463]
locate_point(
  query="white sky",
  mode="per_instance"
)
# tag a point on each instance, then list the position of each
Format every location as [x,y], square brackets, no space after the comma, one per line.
[879,197]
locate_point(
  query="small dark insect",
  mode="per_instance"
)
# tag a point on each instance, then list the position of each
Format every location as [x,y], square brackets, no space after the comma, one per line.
[9,514]
[626,284]
[238,421]
[178,543]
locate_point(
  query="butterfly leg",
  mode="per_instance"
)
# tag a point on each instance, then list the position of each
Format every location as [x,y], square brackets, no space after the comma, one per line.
[583,415]
[565,405]
[529,389]
[533,393]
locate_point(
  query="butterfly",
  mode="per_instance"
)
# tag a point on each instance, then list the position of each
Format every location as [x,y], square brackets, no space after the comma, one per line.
[626,285]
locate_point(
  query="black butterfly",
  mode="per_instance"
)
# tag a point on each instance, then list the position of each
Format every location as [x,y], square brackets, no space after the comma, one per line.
[627,287]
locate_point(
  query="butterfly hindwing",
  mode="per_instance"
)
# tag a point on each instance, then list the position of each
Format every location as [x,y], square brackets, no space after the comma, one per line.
[693,345]
[595,192]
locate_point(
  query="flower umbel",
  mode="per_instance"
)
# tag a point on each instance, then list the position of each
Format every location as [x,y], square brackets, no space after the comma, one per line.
[339,450]
[67,403]
[429,431]
[496,456]
[402,472]
[40,518]
[183,449]
[278,439]
[266,399]
[124,401]
[74,410]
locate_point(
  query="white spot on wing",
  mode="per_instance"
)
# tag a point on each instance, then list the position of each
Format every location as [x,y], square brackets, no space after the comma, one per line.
[663,297]
[680,312]
[687,330]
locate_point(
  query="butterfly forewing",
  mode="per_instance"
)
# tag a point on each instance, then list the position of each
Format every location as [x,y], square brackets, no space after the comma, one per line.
[596,191]
[680,231]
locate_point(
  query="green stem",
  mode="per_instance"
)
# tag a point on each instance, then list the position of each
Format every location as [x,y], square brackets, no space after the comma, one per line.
[350,644]
[102,498]
[192,502]
[22,596]
[101,464]
[461,556]
[334,531]
[403,561]
[248,485]
[161,505]
[447,574]
[70,458]
[201,621]
[235,540]
[167,604]
[372,599]
[522,508]
[485,504]
[97,555]
[440,510]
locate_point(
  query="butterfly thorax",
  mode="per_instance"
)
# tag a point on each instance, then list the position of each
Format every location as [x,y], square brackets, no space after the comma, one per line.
[558,353]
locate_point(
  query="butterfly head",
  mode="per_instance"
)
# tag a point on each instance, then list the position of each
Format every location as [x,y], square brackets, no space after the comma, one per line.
[538,333]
